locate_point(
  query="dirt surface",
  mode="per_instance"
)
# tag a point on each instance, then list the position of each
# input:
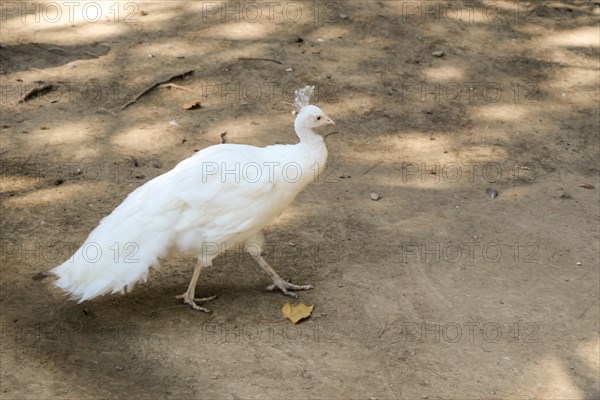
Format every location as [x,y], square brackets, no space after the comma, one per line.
[433,291]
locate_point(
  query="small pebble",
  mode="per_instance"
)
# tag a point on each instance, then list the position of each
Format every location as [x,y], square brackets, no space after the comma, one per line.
[492,193]
[119,368]
[173,123]
[438,53]
[343,16]
[374,196]
[289,70]
[579,263]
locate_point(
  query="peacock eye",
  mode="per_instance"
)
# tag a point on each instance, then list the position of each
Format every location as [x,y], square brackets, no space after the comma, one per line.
[318,118]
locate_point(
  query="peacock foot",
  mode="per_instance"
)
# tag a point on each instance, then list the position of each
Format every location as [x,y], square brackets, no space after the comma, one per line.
[192,301]
[285,287]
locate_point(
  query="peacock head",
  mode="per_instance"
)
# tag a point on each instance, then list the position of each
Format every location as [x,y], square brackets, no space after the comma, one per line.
[310,116]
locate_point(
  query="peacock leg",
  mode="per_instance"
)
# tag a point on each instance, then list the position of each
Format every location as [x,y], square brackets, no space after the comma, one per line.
[254,247]
[188,296]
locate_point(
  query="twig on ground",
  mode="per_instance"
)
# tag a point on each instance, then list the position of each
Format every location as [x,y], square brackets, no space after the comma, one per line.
[174,86]
[155,84]
[371,168]
[259,59]
[36,91]
[586,310]
[386,327]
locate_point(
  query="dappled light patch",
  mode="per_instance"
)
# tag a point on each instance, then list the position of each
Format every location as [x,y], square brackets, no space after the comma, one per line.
[150,138]
[446,73]
[237,31]
[552,380]
[60,133]
[579,37]
[502,112]
[589,351]
[50,194]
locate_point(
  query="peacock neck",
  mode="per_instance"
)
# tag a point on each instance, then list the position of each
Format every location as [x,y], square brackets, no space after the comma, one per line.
[312,149]
[305,134]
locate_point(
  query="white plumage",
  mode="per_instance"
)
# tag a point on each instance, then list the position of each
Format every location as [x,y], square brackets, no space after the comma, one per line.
[220,198]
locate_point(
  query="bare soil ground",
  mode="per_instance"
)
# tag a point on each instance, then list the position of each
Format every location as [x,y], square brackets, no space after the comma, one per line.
[433,291]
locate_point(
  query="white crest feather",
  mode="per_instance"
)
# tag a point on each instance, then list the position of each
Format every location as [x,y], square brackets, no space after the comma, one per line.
[303,96]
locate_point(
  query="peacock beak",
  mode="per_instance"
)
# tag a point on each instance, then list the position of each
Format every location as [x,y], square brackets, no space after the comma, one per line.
[329,122]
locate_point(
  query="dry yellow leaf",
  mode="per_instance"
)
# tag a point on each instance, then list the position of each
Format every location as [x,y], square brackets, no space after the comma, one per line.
[296,312]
